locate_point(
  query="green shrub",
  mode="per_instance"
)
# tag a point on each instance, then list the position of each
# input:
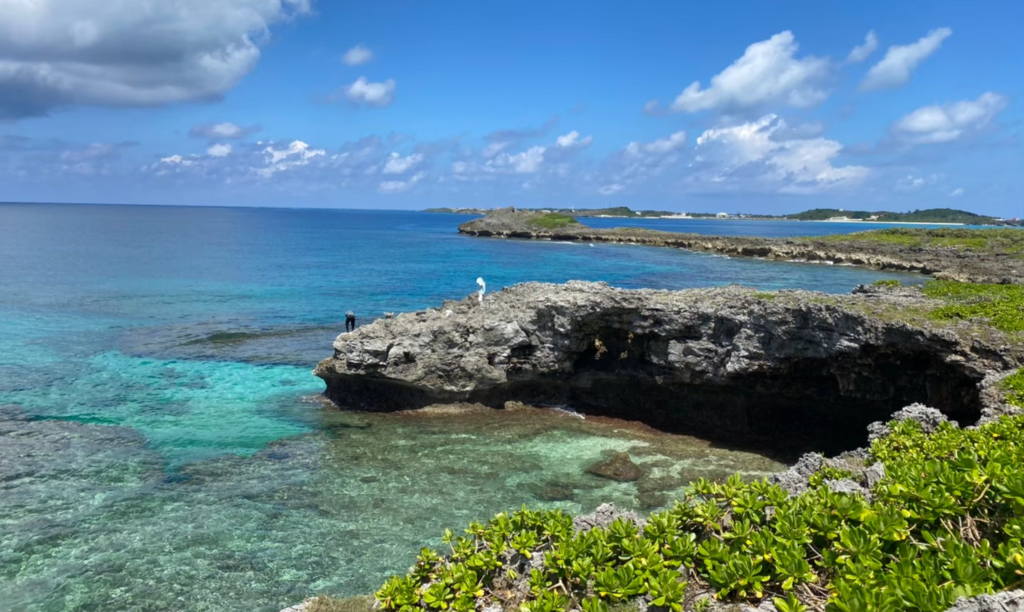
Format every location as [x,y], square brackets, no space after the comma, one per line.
[946,521]
[1001,305]
[551,221]
[1013,387]
[888,283]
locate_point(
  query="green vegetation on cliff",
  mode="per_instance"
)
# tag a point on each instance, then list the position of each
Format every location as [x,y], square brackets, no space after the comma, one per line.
[551,221]
[931,215]
[1001,305]
[946,520]
[988,240]
[1013,387]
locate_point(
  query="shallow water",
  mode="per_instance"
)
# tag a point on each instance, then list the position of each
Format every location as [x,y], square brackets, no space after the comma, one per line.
[166,448]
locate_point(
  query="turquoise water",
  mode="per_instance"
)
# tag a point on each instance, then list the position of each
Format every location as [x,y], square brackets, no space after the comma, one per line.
[162,442]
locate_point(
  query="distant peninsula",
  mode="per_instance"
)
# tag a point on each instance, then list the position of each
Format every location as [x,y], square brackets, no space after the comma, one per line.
[930,215]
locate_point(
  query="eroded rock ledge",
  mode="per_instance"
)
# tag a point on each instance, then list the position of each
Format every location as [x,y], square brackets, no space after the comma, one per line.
[943,262]
[790,372]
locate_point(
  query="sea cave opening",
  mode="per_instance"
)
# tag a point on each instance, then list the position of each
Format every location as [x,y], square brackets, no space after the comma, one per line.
[783,407]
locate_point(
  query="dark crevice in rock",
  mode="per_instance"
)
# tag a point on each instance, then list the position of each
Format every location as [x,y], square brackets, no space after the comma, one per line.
[782,377]
[799,406]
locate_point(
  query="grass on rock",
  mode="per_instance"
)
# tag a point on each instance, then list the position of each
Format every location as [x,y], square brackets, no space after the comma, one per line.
[551,221]
[1001,305]
[945,521]
[988,240]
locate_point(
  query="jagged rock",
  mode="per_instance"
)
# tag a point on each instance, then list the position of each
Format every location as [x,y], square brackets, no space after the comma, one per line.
[795,479]
[619,468]
[1007,601]
[605,515]
[801,371]
[874,474]
[929,418]
[846,485]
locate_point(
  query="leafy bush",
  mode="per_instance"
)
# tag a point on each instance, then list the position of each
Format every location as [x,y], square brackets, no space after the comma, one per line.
[1013,386]
[551,221]
[1002,305]
[946,521]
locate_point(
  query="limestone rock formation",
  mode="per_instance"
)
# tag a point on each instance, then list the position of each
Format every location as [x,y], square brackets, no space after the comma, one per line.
[948,263]
[1007,601]
[800,371]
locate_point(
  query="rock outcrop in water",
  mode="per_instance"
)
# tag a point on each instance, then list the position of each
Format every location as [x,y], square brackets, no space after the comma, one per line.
[949,263]
[789,372]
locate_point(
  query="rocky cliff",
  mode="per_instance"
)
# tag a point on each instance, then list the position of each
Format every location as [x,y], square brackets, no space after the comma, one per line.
[945,262]
[787,372]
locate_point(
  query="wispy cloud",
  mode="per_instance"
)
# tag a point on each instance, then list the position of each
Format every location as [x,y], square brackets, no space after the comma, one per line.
[357,56]
[895,68]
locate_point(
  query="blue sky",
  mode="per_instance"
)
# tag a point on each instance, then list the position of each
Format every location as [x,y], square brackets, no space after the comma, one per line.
[738,106]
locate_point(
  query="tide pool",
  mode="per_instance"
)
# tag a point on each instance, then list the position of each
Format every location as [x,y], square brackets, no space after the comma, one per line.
[162,441]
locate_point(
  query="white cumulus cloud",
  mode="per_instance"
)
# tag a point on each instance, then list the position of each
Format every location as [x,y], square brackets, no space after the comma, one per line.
[956,193]
[363,92]
[526,162]
[861,52]
[357,56]
[397,164]
[944,123]
[768,73]
[749,153]
[572,139]
[56,53]
[900,61]
[219,150]
[278,159]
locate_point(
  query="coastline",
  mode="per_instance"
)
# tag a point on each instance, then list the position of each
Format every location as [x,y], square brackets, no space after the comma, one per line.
[949,254]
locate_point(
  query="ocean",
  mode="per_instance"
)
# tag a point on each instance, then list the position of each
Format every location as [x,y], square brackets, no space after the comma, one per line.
[163,444]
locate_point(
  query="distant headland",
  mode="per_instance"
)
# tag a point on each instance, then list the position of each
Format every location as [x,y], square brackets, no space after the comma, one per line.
[931,215]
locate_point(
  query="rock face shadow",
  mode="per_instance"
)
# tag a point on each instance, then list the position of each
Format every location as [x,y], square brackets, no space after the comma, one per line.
[779,377]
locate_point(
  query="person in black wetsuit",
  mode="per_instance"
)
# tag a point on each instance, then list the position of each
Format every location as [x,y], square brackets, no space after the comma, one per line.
[350,321]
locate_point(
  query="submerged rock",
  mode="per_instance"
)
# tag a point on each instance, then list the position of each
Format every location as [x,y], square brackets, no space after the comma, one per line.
[553,491]
[619,468]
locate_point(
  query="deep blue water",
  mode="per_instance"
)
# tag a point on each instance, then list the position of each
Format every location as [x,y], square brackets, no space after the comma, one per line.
[162,444]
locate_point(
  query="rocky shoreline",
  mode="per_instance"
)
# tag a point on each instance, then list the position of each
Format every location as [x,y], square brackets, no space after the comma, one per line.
[967,265]
[784,372]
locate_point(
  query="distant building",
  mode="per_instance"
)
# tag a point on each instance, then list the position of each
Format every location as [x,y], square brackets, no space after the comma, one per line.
[722,215]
